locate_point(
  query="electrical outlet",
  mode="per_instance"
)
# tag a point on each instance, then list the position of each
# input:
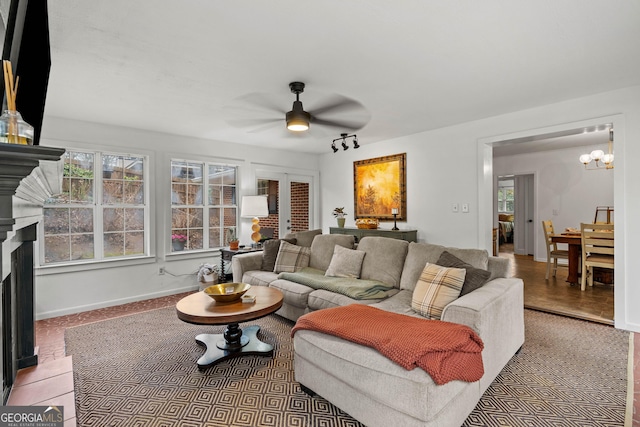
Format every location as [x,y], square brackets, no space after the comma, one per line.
[161,271]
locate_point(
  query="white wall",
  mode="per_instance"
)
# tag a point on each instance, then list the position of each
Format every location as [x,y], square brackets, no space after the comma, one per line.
[455,165]
[70,289]
[562,185]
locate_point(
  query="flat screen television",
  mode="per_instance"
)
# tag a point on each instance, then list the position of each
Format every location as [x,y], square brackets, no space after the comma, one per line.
[25,29]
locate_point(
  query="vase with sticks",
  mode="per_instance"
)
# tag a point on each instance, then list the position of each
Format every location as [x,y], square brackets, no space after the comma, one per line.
[13,130]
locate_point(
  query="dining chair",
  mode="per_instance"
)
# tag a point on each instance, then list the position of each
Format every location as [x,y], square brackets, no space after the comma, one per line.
[553,253]
[597,250]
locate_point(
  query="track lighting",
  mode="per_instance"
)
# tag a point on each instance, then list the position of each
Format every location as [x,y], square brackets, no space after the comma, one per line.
[343,138]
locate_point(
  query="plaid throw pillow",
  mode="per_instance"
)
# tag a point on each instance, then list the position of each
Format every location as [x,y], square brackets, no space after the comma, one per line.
[291,258]
[436,287]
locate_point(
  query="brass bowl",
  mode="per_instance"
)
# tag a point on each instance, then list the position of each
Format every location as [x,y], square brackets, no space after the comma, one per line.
[227,292]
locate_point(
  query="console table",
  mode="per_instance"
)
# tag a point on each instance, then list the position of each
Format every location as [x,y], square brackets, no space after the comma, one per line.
[359,233]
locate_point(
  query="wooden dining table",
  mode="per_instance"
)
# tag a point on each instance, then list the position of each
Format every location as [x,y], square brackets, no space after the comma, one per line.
[574,240]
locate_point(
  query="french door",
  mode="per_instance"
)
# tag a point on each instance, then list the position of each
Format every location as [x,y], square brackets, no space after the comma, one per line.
[290,198]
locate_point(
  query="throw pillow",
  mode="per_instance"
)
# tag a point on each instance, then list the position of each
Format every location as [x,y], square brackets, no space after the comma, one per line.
[437,287]
[270,250]
[475,277]
[291,258]
[345,262]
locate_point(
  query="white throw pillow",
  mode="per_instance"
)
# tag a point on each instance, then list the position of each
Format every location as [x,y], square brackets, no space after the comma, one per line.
[345,262]
[436,288]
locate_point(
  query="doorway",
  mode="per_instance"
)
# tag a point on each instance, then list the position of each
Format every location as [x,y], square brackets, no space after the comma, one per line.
[562,191]
[290,202]
[516,214]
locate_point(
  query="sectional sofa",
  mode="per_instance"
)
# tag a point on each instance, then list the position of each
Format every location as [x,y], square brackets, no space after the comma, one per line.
[358,379]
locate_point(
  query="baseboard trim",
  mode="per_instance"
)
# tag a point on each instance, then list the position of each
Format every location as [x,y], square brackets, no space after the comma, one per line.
[111,303]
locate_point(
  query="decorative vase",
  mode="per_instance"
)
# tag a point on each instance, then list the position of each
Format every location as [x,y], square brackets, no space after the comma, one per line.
[177,245]
[14,130]
[341,222]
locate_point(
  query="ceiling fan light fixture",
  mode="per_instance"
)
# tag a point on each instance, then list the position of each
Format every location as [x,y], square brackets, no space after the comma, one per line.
[298,119]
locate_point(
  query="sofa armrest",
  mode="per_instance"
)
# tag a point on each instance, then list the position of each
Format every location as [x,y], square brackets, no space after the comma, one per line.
[496,312]
[245,262]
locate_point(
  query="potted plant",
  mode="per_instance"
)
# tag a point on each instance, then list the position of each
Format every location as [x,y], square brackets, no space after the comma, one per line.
[232,239]
[178,241]
[339,213]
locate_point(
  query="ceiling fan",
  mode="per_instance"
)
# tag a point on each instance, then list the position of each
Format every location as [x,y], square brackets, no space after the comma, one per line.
[335,111]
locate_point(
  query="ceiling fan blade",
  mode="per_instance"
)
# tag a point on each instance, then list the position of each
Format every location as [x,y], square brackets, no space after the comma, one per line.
[262,100]
[337,103]
[350,125]
[257,125]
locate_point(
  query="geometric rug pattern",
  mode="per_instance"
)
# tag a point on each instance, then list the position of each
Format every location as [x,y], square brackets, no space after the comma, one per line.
[140,370]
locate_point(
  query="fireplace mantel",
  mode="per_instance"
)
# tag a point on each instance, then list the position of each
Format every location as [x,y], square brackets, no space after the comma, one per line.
[28,176]
[17,162]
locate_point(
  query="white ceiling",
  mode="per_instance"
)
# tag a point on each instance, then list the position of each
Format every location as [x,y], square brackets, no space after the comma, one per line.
[183,67]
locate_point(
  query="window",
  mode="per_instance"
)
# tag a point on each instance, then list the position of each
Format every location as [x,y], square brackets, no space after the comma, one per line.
[203,205]
[98,215]
[505,196]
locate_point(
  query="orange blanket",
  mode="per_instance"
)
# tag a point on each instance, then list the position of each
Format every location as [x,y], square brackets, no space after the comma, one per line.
[446,351]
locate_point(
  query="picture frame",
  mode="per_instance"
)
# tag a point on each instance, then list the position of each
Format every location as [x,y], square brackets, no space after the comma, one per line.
[380,185]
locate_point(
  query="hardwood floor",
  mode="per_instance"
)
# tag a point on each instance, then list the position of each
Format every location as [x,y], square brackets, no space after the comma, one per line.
[556,295]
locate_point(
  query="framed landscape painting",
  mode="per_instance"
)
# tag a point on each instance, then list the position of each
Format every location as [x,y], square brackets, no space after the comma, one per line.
[379,187]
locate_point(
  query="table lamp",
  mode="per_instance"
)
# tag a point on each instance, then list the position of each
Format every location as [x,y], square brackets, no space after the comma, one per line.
[254,207]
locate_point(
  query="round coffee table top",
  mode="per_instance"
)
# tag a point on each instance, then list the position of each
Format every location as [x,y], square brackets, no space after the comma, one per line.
[201,309]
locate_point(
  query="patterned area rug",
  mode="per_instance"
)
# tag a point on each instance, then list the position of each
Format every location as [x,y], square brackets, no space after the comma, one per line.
[140,370]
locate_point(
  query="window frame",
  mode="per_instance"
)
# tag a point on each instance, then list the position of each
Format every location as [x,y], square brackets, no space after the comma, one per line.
[98,206]
[205,206]
[502,203]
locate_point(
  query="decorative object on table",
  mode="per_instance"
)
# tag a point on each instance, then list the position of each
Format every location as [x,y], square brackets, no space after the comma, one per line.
[13,130]
[380,185]
[343,138]
[598,155]
[255,207]
[227,292]
[178,242]
[394,212]
[340,214]
[232,239]
[208,273]
[248,299]
[368,223]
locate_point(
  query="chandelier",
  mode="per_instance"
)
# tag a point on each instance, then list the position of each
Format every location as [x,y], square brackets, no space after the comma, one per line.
[600,159]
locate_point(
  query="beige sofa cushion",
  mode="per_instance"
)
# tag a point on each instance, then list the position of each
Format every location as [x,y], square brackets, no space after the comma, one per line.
[304,238]
[323,246]
[436,288]
[384,260]
[421,253]
[291,258]
[345,263]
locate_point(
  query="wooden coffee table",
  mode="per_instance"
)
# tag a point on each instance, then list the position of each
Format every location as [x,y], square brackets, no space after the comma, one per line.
[201,309]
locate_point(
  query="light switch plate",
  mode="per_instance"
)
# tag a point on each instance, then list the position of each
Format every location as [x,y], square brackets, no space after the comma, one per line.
[465,207]
[454,207]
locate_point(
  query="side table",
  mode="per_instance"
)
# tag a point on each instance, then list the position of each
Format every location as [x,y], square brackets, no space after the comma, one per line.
[225,256]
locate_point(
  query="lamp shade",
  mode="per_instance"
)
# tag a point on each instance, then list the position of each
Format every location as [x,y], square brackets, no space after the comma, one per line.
[254,207]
